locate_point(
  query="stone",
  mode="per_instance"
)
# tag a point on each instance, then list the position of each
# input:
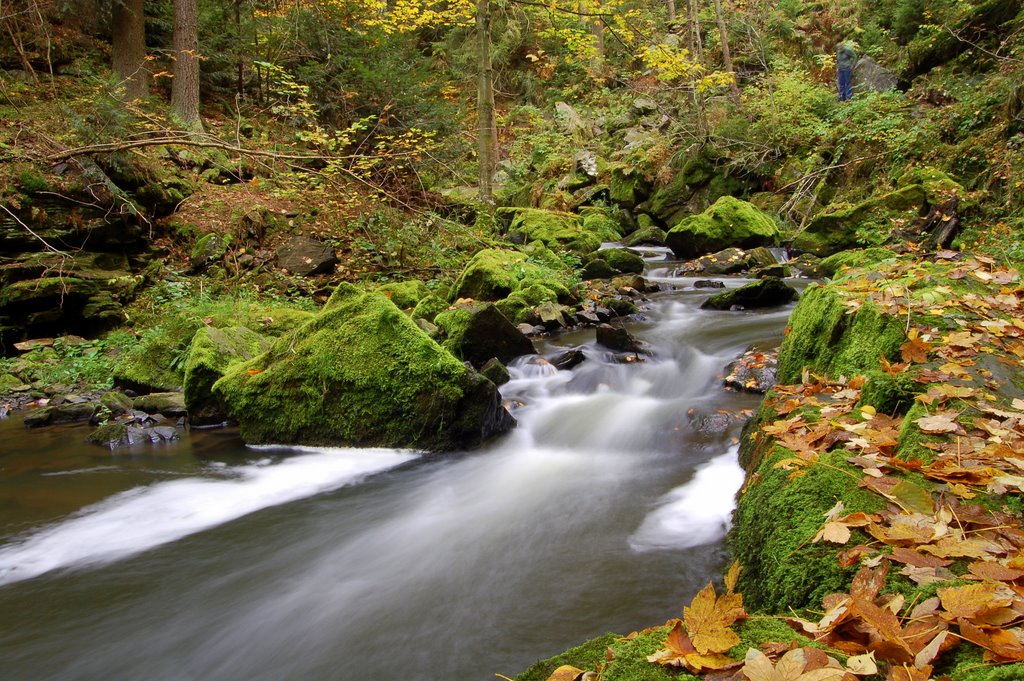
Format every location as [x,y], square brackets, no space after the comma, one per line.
[568,359]
[623,261]
[617,338]
[729,222]
[209,249]
[495,372]
[168,404]
[405,294]
[597,268]
[770,292]
[708,283]
[361,373]
[306,257]
[870,76]
[646,236]
[116,402]
[64,413]
[210,355]
[477,331]
[753,372]
[110,435]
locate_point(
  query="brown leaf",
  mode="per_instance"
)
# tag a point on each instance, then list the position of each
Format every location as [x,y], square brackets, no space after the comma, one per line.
[974,600]
[708,620]
[939,422]
[915,349]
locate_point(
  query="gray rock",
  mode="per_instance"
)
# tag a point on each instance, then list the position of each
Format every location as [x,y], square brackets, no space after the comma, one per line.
[306,257]
[568,359]
[63,413]
[870,76]
[617,338]
[770,292]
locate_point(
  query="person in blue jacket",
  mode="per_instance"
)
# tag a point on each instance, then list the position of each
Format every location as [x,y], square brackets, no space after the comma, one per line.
[846,59]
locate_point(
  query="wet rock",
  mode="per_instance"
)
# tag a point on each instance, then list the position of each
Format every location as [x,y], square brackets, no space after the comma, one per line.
[111,435]
[553,317]
[568,359]
[64,413]
[753,372]
[495,372]
[598,268]
[708,283]
[168,404]
[477,331]
[306,257]
[116,402]
[590,318]
[770,292]
[807,265]
[617,338]
[778,270]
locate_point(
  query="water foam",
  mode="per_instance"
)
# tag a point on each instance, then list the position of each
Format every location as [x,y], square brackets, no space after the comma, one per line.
[146,517]
[696,513]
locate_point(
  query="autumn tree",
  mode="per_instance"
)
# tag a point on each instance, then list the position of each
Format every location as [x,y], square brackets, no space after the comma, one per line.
[128,48]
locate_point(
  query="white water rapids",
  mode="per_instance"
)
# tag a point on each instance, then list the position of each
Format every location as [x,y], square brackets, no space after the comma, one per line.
[604,510]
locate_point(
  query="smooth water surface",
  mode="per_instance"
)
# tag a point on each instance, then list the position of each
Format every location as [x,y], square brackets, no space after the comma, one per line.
[205,560]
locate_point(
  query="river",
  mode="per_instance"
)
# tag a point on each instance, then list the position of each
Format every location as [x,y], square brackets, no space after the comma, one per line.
[205,560]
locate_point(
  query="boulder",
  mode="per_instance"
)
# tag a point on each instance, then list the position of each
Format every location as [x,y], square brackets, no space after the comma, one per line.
[405,294]
[753,372]
[210,355]
[807,265]
[617,338]
[770,292]
[361,373]
[493,274]
[561,231]
[63,413]
[306,257]
[168,404]
[495,372]
[428,308]
[623,261]
[597,268]
[477,331]
[627,187]
[568,359]
[728,222]
[870,76]
[651,235]
[209,249]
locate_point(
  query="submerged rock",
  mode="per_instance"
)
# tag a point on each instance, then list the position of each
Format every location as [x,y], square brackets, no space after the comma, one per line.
[361,373]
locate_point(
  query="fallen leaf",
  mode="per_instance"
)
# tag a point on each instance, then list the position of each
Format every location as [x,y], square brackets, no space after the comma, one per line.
[939,422]
[709,618]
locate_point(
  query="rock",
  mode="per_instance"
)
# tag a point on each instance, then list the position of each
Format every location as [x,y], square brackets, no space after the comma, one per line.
[623,261]
[616,307]
[361,373]
[116,402]
[306,257]
[564,361]
[857,257]
[477,331]
[727,261]
[168,404]
[646,236]
[708,283]
[429,307]
[495,372]
[493,274]
[728,222]
[628,188]
[405,294]
[870,76]
[25,346]
[10,383]
[597,268]
[617,338]
[753,372]
[571,122]
[781,271]
[807,265]
[770,292]
[559,230]
[209,249]
[110,435]
[64,413]
[210,355]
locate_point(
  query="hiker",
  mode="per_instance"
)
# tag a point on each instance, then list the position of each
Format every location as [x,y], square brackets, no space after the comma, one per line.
[846,59]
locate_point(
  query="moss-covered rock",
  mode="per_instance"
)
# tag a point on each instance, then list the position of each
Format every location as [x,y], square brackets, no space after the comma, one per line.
[494,274]
[363,374]
[728,222]
[209,249]
[876,219]
[858,257]
[168,404]
[767,292]
[210,355]
[650,235]
[429,307]
[562,231]
[623,261]
[627,187]
[405,294]
[826,338]
[478,331]
[597,268]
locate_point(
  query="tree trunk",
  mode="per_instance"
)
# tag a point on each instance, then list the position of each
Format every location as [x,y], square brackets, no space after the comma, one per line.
[487,131]
[185,46]
[723,34]
[671,12]
[128,48]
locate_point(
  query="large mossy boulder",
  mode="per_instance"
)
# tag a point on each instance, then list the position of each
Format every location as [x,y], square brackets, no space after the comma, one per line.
[212,352]
[767,292]
[561,231]
[876,219]
[728,222]
[477,331]
[405,294]
[361,373]
[494,274]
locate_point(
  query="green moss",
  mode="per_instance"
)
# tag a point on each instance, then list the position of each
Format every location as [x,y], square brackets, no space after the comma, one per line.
[9,382]
[405,294]
[827,340]
[887,393]
[776,518]
[601,224]
[361,373]
[619,306]
[585,656]
[211,353]
[728,222]
[562,231]
[858,257]
[623,261]
[429,307]
[494,274]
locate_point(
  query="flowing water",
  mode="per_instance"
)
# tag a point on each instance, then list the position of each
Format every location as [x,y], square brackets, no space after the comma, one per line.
[208,561]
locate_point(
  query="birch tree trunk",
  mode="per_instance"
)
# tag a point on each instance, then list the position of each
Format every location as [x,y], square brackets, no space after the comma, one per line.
[723,35]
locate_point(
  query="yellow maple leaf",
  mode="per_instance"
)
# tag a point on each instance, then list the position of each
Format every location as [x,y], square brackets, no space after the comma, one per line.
[709,617]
